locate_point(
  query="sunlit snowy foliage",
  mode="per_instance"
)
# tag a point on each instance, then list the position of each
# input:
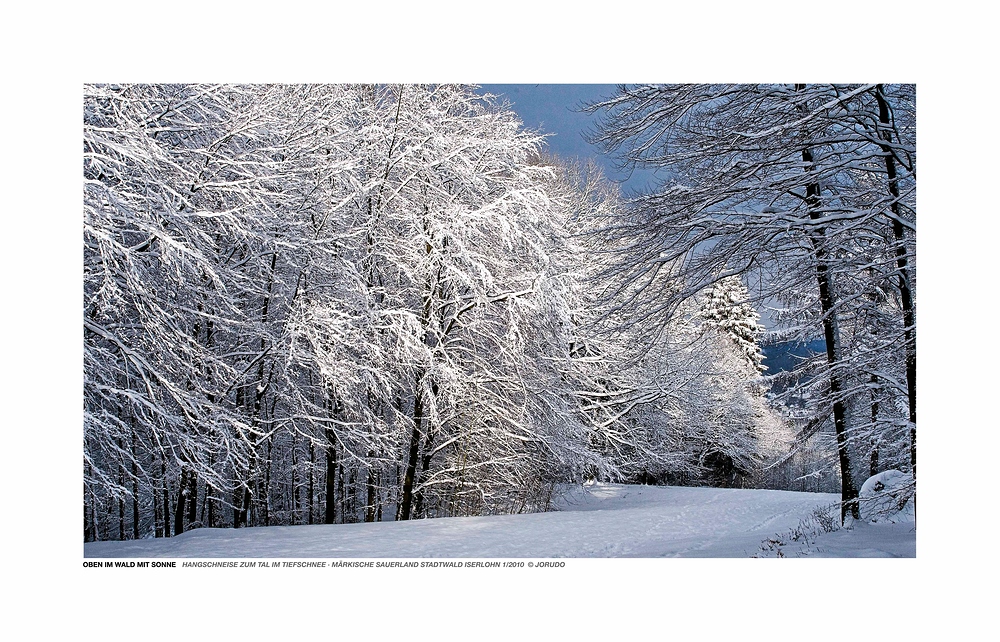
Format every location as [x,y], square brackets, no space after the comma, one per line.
[311,304]
[808,194]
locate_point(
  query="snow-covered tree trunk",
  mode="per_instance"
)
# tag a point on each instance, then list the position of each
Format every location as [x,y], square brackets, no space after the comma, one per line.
[904,280]
[831,334]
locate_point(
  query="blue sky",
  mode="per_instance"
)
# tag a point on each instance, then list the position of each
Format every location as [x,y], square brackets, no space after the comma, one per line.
[555,109]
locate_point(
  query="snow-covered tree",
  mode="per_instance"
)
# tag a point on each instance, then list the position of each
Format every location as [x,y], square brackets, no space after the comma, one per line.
[677,402]
[312,303]
[334,303]
[725,306]
[782,184]
[194,199]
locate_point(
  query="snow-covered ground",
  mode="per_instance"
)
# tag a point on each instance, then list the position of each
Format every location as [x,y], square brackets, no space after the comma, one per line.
[600,520]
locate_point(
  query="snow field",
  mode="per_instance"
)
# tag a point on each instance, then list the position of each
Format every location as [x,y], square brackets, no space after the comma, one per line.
[593,521]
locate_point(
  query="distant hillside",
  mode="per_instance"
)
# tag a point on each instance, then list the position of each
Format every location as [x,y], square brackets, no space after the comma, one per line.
[784,356]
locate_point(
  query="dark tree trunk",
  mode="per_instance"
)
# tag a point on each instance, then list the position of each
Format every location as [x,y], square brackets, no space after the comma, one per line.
[166,497]
[425,464]
[182,496]
[241,503]
[372,497]
[266,499]
[121,500]
[411,459]
[905,292]
[873,457]
[88,523]
[355,494]
[237,500]
[135,504]
[343,494]
[331,478]
[849,495]
[247,503]
[89,532]
[135,487]
[425,461]
[157,513]
[312,477]
[208,508]
[95,516]
[208,503]
[295,487]
[399,501]
[192,499]
[831,333]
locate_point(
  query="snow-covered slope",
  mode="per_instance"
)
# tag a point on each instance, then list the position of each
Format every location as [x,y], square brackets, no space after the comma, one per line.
[600,520]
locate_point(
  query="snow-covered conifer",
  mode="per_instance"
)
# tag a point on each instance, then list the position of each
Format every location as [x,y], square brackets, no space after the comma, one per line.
[725,305]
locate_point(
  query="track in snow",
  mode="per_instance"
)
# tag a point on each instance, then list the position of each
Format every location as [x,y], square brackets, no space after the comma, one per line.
[599,520]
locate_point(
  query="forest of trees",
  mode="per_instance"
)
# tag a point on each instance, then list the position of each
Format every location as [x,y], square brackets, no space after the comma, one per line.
[315,304]
[809,193]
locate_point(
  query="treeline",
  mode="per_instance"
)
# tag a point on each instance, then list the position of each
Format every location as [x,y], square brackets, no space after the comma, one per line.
[326,304]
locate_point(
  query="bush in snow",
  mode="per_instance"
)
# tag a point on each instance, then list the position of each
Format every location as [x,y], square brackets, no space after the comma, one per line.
[887,497]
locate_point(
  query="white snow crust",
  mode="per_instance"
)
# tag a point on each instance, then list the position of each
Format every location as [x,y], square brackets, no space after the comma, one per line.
[887,497]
